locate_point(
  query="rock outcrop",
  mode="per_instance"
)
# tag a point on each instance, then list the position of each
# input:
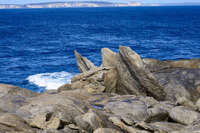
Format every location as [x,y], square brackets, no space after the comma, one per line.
[83,63]
[109,58]
[126,94]
[180,82]
[142,79]
[156,65]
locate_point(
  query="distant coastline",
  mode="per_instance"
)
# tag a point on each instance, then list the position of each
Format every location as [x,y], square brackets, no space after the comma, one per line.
[88,4]
[69,5]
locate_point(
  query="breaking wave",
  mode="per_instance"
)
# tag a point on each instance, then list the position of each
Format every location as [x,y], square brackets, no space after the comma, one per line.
[50,81]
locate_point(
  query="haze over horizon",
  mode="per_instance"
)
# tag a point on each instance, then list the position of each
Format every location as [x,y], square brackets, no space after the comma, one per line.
[143,1]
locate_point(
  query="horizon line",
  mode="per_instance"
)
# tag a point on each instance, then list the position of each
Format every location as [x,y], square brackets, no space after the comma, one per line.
[182,3]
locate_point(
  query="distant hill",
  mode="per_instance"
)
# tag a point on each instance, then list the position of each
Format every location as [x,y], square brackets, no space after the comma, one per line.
[69,4]
[181,4]
[172,4]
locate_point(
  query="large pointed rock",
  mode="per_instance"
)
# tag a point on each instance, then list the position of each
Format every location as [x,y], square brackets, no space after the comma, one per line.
[83,63]
[134,77]
[109,58]
[126,83]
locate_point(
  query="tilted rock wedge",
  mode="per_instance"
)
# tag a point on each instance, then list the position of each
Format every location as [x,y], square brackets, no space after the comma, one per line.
[83,63]
[142,78]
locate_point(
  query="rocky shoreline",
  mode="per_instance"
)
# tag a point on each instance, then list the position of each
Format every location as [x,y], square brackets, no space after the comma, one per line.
[126,94]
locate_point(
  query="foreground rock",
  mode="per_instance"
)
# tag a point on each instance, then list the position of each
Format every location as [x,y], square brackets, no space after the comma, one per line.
[126,94]
[13,97]
[77,111]
[106,130]
[10,123]
[184,115]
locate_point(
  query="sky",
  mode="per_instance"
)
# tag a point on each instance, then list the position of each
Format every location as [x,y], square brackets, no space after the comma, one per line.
[143,1]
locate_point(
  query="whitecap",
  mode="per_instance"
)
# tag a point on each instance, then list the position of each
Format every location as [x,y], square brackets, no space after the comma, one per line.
[50,81]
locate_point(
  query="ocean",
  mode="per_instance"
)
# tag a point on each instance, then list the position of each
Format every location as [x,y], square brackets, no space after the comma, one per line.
[37,45]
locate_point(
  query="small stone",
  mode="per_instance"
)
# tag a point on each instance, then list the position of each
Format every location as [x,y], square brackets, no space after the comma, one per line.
[39,121]
[166,126]
[65,87]
[198,104]
[72,126]
[89,121]
[106,130]
[184,115]
[54,123]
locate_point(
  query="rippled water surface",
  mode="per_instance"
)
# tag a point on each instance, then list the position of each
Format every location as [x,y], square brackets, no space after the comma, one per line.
[36,45]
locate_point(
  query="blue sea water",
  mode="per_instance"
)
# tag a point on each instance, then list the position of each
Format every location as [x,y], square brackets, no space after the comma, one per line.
[36,45]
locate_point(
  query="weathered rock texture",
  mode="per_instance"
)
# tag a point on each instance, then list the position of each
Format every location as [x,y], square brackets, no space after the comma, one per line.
[126,94]
[83,63]
[142,78]
[13,97]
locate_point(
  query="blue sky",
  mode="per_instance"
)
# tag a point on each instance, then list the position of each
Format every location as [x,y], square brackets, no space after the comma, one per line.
[144,1]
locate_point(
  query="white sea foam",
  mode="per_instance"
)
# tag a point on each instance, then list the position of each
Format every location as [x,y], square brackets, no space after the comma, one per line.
[50,80]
